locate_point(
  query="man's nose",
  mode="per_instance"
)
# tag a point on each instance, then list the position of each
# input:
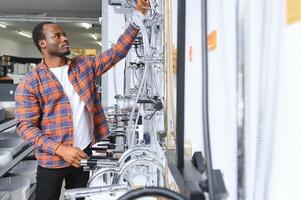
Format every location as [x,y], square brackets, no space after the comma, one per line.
[64,38]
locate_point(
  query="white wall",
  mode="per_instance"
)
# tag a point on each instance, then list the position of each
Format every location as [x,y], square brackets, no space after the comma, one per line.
[286,163]
[30,51]
[222,92]
[8,47]
[264,91]
[253,22]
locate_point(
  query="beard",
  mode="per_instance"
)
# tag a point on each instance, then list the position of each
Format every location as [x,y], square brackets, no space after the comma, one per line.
[60,54]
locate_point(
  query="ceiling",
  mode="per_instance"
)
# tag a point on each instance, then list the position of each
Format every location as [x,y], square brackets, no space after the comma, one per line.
[23,15]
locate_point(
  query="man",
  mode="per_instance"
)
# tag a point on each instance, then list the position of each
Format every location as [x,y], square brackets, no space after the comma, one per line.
[58,109]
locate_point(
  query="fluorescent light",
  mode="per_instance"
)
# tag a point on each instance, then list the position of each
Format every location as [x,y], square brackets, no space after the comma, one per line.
[24,34]
[99,44]
[2,26]
[86,25]
[94,36]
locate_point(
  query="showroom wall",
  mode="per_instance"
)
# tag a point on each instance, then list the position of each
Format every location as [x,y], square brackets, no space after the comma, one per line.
[9,47]
[30,51]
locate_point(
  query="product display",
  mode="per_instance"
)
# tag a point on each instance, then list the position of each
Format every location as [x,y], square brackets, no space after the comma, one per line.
[26,168]
[4,195]
[5,157]
[11,144]
[18,187]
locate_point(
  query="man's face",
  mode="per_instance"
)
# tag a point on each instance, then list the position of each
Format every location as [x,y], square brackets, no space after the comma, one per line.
[55,42]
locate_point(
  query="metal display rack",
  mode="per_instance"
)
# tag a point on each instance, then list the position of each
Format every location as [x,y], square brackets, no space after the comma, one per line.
[18,157]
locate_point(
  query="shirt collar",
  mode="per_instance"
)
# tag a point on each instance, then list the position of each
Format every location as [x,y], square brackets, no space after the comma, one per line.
[44,66]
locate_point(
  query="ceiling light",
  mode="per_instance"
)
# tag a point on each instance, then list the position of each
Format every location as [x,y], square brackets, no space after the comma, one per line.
[99,44]
[86,25]
[24,34]
[94,36]
[36,18]
[2,26]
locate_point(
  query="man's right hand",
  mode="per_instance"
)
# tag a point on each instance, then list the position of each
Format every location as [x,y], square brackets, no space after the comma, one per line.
[71,155]
[142,6]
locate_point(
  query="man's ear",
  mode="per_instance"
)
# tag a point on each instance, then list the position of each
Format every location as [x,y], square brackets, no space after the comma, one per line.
[42,44]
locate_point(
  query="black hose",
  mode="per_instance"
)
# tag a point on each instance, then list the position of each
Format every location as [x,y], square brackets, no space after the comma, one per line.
[152,191]
[180,123]
[205,106]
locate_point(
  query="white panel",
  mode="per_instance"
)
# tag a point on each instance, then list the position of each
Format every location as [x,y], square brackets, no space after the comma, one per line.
[222,92]
[193,76]
[113,27]
[253,37]
[285,175]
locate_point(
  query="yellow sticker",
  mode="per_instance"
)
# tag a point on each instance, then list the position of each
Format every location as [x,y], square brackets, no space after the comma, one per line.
[212,41]
[89,52]
[293,11]
[77,52]
[190,53]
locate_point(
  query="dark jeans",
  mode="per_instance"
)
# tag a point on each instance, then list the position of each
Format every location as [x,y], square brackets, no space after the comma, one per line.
[49,181]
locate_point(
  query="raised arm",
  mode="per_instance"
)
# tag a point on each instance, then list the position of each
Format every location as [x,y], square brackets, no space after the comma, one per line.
[106,60]
[109,58]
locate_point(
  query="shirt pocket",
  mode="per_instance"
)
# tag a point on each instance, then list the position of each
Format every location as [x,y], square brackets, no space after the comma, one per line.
[52,95]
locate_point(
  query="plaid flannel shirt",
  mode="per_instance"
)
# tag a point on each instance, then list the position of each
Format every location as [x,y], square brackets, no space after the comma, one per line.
[43,112]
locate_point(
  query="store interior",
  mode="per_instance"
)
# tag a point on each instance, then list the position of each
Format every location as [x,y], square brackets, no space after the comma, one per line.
[204,106]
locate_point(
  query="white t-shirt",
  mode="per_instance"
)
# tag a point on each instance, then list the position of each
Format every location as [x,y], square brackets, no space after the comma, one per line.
[82,122]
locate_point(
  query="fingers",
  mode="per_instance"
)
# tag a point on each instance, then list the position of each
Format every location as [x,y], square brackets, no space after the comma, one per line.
[72,155]
[78,157]
[82,154]
[75,161]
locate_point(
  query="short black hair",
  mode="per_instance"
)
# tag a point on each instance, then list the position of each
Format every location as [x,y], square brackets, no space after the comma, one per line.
[37,33]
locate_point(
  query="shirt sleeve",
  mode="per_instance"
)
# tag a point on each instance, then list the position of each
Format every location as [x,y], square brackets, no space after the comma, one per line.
[28,119]
[106,60]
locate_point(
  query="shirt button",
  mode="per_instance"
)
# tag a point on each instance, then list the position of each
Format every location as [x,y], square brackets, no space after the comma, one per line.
[70,117]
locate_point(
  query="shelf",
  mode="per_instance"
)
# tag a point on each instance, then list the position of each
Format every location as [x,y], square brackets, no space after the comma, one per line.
[6,79]
[17,158]
[15,77]
[7,124]
[15,59]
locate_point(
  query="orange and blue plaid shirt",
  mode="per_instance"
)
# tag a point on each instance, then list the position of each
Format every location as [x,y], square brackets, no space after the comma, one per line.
[43,112]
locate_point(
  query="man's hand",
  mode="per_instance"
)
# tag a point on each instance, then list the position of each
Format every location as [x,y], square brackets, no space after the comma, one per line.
[142,6]
[71,155]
